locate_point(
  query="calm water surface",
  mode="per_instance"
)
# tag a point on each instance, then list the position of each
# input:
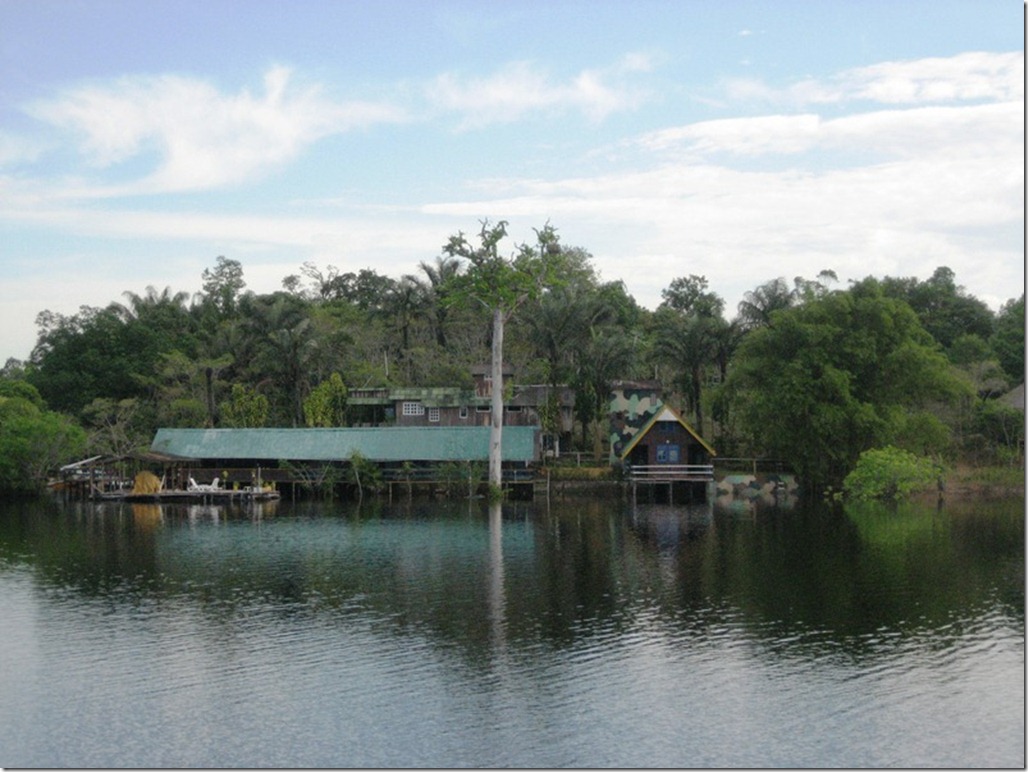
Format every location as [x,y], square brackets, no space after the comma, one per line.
[583,633]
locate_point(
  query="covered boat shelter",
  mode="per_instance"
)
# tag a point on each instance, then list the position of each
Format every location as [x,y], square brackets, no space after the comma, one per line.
[402,455]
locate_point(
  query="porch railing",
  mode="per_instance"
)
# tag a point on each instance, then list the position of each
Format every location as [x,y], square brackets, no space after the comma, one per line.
[671,472]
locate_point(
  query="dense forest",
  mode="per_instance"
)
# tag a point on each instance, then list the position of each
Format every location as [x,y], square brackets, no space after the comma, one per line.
[805,371]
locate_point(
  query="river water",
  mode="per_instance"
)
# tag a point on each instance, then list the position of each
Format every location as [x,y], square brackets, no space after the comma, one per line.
[582,632]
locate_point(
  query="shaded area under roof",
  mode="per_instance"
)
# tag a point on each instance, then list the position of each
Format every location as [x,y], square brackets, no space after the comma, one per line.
[379,444]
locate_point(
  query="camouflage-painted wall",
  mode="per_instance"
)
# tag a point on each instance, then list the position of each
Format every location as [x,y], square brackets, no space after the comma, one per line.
[632,404]
[769,489]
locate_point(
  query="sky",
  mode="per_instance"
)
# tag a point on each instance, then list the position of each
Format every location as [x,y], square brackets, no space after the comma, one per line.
[741,141]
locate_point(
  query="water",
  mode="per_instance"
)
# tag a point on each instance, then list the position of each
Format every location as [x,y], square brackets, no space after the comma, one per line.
[586,633]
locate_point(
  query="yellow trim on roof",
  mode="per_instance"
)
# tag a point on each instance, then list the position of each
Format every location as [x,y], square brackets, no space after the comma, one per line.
[645,428]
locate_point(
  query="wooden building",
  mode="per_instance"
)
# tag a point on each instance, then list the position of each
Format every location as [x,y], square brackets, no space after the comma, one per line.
[667,451]
[452,406]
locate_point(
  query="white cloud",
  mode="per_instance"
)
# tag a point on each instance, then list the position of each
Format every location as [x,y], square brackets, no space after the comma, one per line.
[520,88]
[970,129]
[885,192]
[968,76]
[741,136]
[973,76]
[932,175]
[201,137]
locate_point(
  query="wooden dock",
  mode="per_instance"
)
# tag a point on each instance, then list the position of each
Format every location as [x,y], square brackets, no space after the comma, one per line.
[693,478]
[213,496]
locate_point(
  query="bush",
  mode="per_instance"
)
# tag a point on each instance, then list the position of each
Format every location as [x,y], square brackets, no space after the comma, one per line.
[890,474]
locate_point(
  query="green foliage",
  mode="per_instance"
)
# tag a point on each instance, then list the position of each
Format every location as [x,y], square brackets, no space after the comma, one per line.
[186,388]
[1007,340]
[326,404]
[944,309]
[758,305]
[364,474]
[245,409]
[890,474]
[117,427]
[109,353]
[821,373]
[502,284]
[834,377]
[33,444]
[688,295]
[1002,428]
[317,478]
[222,285]
[20,389]
[922,432]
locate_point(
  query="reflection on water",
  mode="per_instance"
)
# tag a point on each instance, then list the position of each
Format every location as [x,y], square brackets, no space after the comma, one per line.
[583,633]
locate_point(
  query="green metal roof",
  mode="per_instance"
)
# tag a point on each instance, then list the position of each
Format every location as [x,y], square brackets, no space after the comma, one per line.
[391,443]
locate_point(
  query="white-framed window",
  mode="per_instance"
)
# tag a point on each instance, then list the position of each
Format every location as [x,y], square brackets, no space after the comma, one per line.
[482,408]
[433,414]
[413,408]
[463,413]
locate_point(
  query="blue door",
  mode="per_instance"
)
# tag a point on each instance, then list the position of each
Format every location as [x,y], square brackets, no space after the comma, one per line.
[668,454]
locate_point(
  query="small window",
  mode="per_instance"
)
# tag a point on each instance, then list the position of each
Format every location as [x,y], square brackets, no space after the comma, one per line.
[482,408]
[433,414]
[463,413]
[514,408]
[413,408]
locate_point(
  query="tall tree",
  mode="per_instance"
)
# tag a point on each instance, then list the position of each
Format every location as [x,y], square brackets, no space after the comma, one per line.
[502,286]
[690,336]
[1007,340]
[608,355]
[757,305]
[33,443]
[94,353]
[326,404]
[440,278]
[403,304]
[945,309]
[222,286]
[836,376]
[284,350]
[246,408]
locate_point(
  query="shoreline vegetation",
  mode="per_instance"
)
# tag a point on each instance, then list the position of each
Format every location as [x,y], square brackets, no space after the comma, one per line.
[965,482]
[962,482]
[886,382]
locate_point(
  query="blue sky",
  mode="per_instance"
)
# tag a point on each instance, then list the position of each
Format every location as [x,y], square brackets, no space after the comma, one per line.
[743,141]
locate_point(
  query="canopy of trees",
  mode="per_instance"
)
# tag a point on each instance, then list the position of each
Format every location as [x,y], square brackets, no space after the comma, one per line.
[808,372]
[839,375]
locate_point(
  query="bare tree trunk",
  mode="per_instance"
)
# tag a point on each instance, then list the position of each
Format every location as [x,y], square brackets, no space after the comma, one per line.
[496,422]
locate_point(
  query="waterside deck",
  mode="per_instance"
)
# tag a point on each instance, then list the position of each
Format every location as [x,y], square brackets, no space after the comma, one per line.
[196,496]
[691,480]
[667,473]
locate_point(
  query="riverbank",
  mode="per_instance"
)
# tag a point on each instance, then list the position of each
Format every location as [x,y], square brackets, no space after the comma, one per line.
[961,482]
[967,482]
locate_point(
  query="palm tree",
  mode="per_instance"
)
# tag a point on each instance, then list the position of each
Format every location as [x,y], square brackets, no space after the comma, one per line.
[152,305]
[606,356]
[403,303]
[284,343]
[689,343]
[757,305]
[437,292]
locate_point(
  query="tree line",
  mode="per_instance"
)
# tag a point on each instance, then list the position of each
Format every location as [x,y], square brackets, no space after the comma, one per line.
[807,372]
